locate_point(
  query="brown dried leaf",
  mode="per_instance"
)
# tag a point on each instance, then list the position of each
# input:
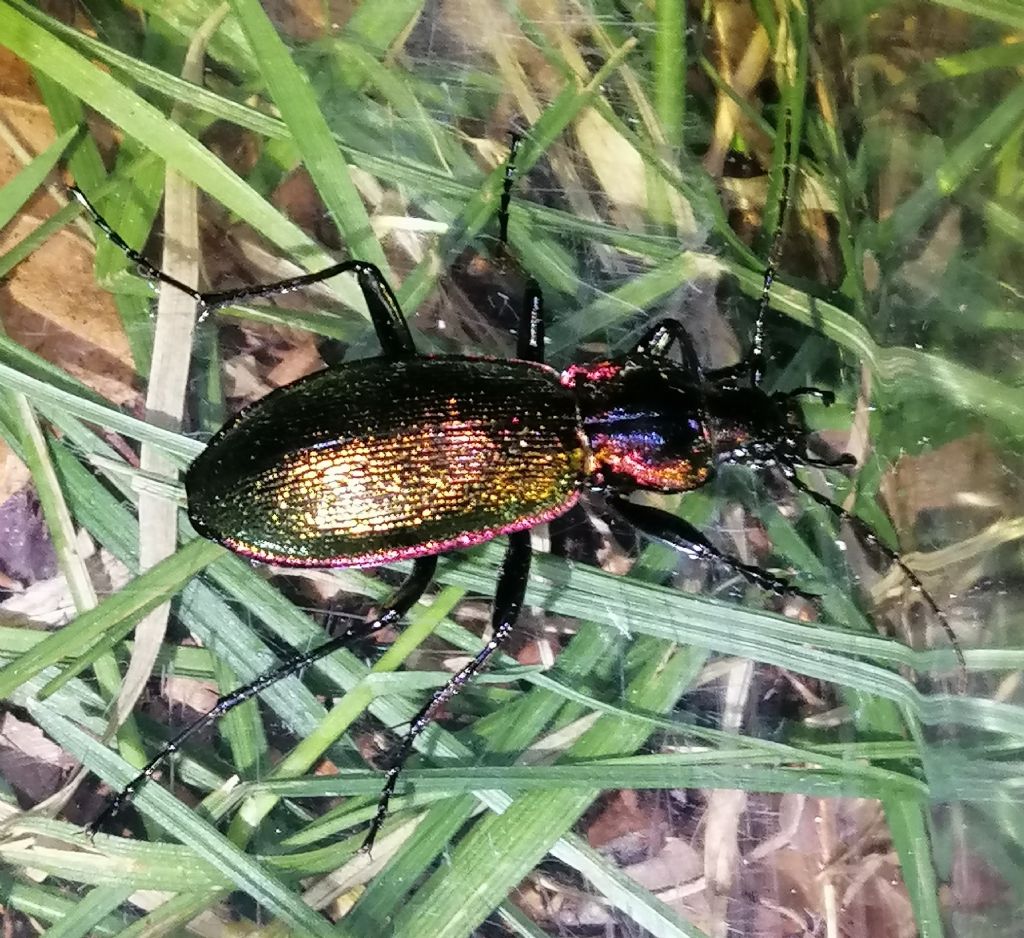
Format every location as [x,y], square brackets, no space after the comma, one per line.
[965,473]
[29,762]
[627,821]
[52,305]
[14,474]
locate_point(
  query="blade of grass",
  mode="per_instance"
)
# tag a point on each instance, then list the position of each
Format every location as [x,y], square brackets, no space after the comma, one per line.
[157,133]
[165,393]
[84,406]
[298,106]
[92,909]
[670,69]
[245,872]
[15,193]
[999,11]
[479,209]
[421,624]
[458,897]
[119,611]
[47,905]
[965,159]
[711,769]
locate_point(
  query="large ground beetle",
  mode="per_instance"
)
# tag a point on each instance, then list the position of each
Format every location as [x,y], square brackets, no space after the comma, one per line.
[406,456]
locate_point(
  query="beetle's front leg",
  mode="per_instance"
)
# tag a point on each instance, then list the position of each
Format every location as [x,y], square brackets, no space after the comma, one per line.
[661,525]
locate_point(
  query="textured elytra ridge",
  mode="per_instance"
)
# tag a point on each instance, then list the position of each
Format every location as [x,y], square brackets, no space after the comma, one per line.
[380,460]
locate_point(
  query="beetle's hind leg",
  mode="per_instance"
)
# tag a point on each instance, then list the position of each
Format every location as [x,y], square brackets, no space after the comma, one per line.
[388,321]
[385,313]
[508,601]
[391,612]
[663,526]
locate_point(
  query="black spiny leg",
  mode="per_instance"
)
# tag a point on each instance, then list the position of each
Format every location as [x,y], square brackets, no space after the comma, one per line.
[657,342]
[154,273]
[755,360]
[530,341]
[508,601]
[839,461]
[388,321]
[530,338]
[404,598]
[750,369]
[515,569]
[663,526]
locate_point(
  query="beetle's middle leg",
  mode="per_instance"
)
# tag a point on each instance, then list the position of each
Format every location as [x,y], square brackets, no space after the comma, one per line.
[506,188]
[530,337]
[508,601]
[386,314]
[530,341]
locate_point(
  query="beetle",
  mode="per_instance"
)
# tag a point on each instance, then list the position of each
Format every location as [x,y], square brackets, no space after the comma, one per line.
[406,456]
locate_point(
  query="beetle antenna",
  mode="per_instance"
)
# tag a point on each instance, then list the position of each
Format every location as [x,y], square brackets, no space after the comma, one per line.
[506,187]
[865,531]
[770,270]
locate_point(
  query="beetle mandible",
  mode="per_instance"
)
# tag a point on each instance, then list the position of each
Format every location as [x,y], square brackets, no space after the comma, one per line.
[406,456]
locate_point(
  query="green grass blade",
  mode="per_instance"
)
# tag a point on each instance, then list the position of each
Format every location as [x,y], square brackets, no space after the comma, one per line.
[243,870]
[93,909]
[121,610]
[290,90]
[19,190]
